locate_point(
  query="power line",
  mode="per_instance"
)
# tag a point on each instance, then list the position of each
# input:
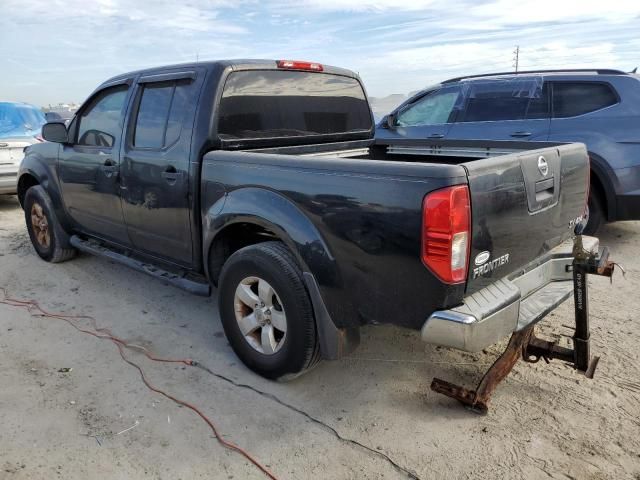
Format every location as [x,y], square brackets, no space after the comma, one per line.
[516,57]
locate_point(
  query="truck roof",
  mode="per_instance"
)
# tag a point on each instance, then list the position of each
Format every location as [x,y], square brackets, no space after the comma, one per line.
[235,64]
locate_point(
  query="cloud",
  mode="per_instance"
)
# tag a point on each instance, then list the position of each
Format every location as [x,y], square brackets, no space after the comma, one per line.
[517,12]
[397,47]
[359,5]
[196,16]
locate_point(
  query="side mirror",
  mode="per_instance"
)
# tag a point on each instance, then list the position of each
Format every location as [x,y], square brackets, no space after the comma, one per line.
[391,121]
[55,132]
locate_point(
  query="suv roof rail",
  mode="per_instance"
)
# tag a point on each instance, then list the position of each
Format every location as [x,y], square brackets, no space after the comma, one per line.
[598,71]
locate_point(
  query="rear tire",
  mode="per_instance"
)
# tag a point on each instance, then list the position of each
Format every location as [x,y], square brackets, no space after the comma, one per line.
[49,239]
[596,213]
[266,312]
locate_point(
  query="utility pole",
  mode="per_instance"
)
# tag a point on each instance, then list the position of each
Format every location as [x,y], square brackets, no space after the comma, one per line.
[516,57]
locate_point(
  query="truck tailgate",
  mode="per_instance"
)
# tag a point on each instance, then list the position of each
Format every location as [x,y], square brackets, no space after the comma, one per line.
[523,205]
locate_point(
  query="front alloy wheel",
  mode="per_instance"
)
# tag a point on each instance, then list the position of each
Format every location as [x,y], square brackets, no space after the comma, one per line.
[40,225]
[49,239]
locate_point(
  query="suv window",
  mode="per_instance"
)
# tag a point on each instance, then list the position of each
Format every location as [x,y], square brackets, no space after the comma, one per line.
[160,113]
[539,104]
[504,100]
[577,98]
[99,123]
[434,108]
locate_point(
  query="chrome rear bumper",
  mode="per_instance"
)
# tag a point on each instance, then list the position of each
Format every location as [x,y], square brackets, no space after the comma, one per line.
[508,305]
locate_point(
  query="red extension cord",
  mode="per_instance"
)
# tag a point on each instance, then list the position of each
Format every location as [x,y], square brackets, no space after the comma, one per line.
[105,334]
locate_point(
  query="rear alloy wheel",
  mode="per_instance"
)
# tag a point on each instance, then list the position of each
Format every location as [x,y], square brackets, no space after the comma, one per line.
[260,315]
[266,311]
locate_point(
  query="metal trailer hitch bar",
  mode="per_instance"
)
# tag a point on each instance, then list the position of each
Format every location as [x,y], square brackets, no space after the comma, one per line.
[524,344]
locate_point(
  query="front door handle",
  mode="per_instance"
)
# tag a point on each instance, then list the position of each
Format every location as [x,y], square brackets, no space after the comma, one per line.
[109,167]
[521,134]
[436,135]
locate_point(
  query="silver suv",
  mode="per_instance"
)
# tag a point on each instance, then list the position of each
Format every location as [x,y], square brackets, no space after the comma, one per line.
[20,126]
[600,108]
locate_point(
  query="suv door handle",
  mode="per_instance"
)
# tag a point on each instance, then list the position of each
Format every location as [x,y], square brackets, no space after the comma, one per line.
[521,134]
[436,135]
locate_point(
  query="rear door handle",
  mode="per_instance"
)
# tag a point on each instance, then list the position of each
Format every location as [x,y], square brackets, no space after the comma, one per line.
[521,134]
[171,175]
[436,135]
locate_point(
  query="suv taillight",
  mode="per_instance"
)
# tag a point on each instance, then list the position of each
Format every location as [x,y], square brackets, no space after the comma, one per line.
[446,233]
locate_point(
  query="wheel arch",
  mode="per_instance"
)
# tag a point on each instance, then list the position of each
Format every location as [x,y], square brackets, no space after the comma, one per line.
[253,215]
[601,180]
[25,182]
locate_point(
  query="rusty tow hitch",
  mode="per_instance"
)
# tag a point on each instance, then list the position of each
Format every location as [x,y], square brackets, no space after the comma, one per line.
[524,344]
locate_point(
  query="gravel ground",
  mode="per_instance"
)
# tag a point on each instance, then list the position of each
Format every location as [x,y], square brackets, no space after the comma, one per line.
[370,416]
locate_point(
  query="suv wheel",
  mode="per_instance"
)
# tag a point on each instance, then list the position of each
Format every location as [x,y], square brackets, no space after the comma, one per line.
[596,213]
[266,311]
[49,239]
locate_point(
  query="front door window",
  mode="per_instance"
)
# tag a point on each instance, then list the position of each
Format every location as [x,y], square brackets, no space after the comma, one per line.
[435,108]
[99,123]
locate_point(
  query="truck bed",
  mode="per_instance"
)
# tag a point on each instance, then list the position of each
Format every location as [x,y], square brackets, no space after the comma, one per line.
[365,201]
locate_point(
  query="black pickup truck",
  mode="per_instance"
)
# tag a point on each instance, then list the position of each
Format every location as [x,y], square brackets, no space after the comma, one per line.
[262,178]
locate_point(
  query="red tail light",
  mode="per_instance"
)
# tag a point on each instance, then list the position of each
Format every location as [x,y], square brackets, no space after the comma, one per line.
[446,233]
[298,65]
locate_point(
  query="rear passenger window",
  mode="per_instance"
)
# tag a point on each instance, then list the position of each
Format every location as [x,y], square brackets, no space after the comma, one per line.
[539,104]
[577,98]
[152,115]
[499,100]
[160,114]
[179,105]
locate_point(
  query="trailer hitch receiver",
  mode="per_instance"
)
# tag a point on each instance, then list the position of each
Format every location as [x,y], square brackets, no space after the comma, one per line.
[524,344]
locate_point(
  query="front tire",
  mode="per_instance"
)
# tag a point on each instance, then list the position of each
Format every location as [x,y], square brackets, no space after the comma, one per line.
[49,239]
[266,312]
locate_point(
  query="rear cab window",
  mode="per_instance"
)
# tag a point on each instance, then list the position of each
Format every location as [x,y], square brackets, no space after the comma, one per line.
[571,99]
[262,104]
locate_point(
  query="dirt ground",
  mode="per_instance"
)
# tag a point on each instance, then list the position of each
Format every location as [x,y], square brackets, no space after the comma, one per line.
[369,416]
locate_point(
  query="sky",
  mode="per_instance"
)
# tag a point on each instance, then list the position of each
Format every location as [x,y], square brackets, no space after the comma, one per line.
[59,50]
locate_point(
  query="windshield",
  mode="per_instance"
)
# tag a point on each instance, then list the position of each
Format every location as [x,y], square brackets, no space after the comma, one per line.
[266,104]
[20,120]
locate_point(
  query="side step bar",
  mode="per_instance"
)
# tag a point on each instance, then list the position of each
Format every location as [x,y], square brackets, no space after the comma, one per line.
[191,286]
